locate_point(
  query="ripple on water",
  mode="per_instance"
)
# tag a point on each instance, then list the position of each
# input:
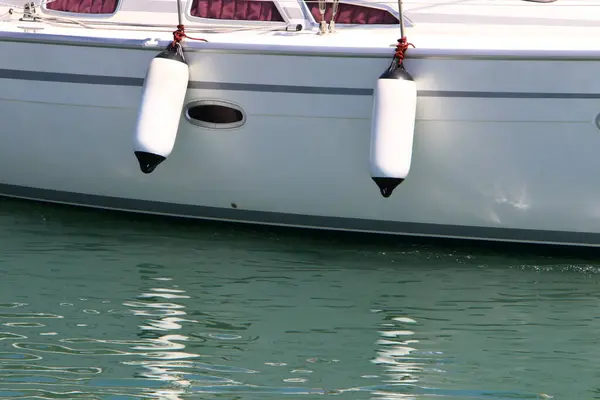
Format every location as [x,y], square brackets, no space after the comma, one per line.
[29,315]
[41,368]
[250,389]
[11,336]
[57,349]
[18,357]
[24,324]
[12,305]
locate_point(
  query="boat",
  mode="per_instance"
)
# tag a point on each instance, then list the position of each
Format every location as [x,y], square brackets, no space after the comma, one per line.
[471,119]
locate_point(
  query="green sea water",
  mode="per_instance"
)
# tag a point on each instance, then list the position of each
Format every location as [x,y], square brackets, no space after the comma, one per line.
[99,305]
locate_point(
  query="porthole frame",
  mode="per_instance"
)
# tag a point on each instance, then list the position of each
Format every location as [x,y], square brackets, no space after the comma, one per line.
[214,125]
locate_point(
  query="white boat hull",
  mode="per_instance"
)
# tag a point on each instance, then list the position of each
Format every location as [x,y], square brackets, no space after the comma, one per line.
[513,158]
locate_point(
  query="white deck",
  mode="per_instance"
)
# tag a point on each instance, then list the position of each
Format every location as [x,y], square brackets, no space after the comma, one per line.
[563,28]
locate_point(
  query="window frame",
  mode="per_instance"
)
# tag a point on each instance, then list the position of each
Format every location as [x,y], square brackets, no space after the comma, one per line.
[378,6]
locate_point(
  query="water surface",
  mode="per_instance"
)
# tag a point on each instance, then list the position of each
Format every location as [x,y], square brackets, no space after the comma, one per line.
[96,305]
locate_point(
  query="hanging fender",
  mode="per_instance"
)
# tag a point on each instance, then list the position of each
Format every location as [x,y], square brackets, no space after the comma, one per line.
[393,124]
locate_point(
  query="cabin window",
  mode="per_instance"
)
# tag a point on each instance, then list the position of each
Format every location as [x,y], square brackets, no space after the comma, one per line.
[353,14]
[215,114]
[83,6]
[241,10]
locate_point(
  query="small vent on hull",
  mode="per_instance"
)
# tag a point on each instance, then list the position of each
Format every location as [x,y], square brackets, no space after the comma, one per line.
[215,114]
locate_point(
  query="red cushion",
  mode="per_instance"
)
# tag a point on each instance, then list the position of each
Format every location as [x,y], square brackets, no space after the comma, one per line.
[245,10]
[84,6]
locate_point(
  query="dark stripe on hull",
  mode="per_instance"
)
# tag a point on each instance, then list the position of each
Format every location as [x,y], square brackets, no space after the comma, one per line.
[306,221]
[263,88]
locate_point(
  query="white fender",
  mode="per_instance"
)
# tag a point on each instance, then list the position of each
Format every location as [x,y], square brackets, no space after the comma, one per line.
[392,129]
[163,95]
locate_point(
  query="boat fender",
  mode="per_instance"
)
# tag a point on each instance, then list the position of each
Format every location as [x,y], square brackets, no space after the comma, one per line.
[393,124]
[163,95]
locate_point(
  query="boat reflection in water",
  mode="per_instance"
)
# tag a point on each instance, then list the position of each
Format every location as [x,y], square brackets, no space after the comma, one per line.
[394,355]
[163,348]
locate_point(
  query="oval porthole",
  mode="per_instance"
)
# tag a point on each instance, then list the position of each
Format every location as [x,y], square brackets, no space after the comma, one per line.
[215,114]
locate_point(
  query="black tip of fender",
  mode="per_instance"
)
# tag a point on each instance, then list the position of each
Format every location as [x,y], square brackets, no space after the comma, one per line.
[397,72]
[148,161]
[172,52]
[387,185]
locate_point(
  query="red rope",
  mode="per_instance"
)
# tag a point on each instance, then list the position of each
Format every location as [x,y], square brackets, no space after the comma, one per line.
[401,48]
[179,34]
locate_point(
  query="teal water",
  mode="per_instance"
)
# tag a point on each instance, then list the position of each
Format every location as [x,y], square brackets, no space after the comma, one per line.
[97,305]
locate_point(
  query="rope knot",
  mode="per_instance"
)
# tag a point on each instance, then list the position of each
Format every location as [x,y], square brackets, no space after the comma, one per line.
[180,34]
[401,48]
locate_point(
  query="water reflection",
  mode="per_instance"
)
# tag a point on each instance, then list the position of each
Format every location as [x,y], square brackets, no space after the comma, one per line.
[305,344]
[22,364]
[236,316]
[395,353]
[395,347]
[164,349]
[167,351]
